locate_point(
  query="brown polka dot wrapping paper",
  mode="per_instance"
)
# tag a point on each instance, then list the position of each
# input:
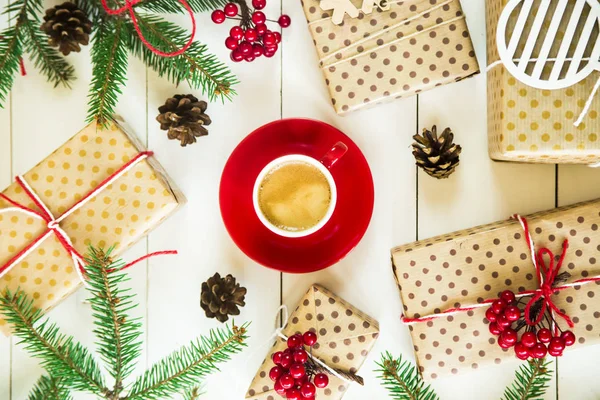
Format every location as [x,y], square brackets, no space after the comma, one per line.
[466,267]
[414,46]
[117,216]
[526,124]
[345,338]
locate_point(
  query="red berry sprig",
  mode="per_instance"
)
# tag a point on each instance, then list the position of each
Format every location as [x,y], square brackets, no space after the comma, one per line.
[293,372]
[535,342]
[251,39]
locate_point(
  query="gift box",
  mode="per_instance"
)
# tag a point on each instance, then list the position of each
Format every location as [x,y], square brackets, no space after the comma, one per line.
[138,199]
[345,337]
[526,124]
[465,268]
[396,50]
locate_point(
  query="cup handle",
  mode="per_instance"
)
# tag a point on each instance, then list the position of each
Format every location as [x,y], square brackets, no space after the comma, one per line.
[332,156]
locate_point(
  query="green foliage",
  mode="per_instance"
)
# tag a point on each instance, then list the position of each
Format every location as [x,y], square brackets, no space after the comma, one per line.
[531,381]
[11,50]
[402,380]
[192,394]
[174,7]
[119,344]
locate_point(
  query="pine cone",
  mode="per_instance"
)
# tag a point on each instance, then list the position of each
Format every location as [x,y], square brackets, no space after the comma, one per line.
[183,116]
[438,156]
[67,27]
[221,297]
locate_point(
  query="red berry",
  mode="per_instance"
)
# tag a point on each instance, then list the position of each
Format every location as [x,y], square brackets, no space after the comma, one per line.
[300,356]
[503,344]
[249,57]
[512,313]
[258,50]
[289,351]
[246,48]
[321,381]
[502,322]
[521,351]
[236,55]
[491,315]
[231,9]
[259,4]
[293,394]
[251,35]
[260,29]
[286,381]
[301,381]
[498,305]
[277,357]
[231,43]
[507,296]
[528,339]
[258,17]
[539,350]
[279,389]
[277,37]
[297,371]
[544,335]
[286,360]
[308,390]
[269,39]
[275,373]
[295,340]
[556,346]
[271,49]
[494,329]
[309,338]
[236,32]
[509,336]
[568,337]
[284,21]
[218,16]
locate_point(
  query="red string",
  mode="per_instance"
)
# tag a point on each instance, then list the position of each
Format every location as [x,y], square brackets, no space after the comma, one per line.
[156,253]
[129,7]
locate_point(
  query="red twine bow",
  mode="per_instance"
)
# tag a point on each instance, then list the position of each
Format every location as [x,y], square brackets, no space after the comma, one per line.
[129,8]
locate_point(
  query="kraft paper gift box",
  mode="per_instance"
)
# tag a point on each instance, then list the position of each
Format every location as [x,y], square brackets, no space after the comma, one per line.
[345,338]
[119,215]
[396,51]
[526,124]
[465,267]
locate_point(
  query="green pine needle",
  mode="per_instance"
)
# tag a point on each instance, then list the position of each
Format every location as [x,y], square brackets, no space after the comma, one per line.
[193,394]
[174,7]
[402,380]
[109,59]
[531,381]
[11,50]
[49,388]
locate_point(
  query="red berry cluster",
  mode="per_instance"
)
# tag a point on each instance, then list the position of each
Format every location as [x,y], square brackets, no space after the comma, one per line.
[535,342]
[293,371]
[251,39]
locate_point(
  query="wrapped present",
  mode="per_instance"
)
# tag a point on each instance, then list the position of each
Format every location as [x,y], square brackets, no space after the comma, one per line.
[100,188]
[533,125]
[389,50]
[345,337]
[447,284]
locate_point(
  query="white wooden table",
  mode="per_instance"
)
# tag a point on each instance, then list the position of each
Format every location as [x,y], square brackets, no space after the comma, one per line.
[408,205]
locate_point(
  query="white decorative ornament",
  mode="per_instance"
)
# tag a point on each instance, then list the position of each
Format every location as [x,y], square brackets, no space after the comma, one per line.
[576,56]
[342,7]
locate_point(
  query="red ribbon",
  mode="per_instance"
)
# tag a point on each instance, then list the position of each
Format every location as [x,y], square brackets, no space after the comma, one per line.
[129,8]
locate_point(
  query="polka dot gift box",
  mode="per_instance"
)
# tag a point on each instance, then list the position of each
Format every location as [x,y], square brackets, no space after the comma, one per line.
[449,286]
[53,208]
[345,337]
[405,48]
[533,125]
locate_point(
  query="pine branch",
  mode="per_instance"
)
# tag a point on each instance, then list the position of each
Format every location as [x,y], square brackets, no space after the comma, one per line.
[109,59]
[402,379]
[59,353]
[199,68]
[531,381]
[118,334]
[49,388]
[185,367]
[192,394]
[174,7]
[11,50]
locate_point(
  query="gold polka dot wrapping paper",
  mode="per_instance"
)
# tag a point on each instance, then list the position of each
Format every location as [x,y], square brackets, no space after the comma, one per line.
[466,267]
[526,124]
[414,46]
[345,338]
[119,215]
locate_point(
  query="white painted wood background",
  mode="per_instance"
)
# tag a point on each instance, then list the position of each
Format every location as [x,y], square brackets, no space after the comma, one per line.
[408,205]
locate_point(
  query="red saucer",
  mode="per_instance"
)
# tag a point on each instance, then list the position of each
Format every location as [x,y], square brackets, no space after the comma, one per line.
[347,224]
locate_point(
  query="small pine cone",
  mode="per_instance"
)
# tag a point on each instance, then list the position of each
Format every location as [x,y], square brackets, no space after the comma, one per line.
[438,156]
[221,297]
[184,118]
[67,27]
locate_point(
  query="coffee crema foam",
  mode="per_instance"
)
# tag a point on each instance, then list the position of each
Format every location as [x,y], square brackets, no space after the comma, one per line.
[294,196]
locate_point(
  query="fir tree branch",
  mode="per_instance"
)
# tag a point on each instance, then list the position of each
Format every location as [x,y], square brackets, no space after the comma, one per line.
[402,379]
[49,388]
[193,394]
[11,50]
[109,59]
[531,381]
[185,367]
[118,334]
[174,7]
[59,353]
[199,68]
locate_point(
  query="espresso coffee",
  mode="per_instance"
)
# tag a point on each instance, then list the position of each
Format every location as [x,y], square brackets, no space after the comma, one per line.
[294,196]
